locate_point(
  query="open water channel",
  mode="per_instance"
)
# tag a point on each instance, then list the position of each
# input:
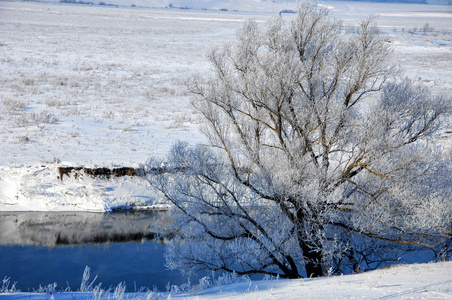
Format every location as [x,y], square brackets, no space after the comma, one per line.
[42,248]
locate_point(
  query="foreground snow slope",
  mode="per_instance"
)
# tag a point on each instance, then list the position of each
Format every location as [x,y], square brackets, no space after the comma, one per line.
[99,86]
[416,281]
[428,281]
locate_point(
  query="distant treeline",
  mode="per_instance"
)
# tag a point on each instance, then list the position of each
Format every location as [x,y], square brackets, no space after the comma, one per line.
[443,2]
[86,2]
[395,1]
[76,2]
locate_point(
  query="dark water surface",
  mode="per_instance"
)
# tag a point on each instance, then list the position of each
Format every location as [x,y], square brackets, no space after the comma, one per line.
[43,248]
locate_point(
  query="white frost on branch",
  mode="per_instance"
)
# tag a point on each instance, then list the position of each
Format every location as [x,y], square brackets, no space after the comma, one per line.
[316,143]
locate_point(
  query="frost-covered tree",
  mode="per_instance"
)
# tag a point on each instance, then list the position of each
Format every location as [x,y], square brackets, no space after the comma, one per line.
[314,142]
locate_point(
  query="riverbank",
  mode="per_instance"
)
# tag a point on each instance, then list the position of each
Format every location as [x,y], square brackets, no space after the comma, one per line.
[41,188]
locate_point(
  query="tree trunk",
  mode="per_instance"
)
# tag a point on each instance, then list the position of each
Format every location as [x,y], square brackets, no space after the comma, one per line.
[293,271]
[312,251]
[313,260]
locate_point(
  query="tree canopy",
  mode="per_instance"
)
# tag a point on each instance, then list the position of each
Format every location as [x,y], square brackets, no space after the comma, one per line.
[316,145]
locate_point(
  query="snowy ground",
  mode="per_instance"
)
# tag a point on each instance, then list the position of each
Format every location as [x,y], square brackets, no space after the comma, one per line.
[430,281]
[99,86]
[416,281]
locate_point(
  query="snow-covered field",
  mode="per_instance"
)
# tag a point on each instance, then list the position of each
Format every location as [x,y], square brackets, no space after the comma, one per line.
[99,86]
[416,281]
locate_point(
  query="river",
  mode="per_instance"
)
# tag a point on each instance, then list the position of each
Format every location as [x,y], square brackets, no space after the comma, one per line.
[42,248]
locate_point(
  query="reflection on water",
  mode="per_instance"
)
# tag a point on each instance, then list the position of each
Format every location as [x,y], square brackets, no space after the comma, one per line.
[51,229]
[43,248]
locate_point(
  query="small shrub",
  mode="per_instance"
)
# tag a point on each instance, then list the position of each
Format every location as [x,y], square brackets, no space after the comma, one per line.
[23,139]
[427,28]
[44,117]
[53,103]
[14,105]
[412,30]
[85,286]
[28,81]
[5,286]
[48,289]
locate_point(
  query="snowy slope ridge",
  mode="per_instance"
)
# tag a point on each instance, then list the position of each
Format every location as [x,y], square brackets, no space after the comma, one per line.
[415,281]
[39,188]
